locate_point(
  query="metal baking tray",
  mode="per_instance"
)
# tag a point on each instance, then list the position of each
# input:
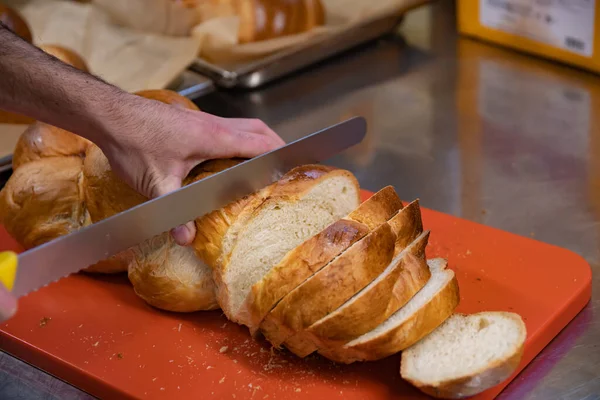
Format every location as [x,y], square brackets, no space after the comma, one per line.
[260,72]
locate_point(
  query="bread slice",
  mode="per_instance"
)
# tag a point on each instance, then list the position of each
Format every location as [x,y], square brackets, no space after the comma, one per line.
[331,286]
[429,308]
[406,225]
[316,252]
[402,279]
[301,204]
[466,355]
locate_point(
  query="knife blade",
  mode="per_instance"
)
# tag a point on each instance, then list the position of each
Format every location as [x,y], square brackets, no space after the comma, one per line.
[71,253]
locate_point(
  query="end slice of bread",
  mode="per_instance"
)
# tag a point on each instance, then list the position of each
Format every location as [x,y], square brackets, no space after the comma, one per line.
[466,355]
[427,310]
[313,254]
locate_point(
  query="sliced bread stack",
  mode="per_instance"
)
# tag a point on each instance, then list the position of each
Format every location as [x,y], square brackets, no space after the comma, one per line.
[358,288]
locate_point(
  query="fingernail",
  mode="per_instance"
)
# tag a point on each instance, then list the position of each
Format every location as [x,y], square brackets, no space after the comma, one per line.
[182,235]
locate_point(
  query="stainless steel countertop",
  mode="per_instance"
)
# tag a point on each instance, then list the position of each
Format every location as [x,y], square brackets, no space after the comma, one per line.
[465,127]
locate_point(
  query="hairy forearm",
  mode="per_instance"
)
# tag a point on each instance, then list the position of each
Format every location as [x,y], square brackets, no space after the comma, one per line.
[37,85]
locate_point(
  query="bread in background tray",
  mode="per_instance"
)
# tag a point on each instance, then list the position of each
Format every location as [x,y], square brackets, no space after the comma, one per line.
[269,19]
[266,19]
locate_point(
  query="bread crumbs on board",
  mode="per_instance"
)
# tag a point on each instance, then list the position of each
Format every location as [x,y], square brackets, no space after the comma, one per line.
[44,321]
[224,349]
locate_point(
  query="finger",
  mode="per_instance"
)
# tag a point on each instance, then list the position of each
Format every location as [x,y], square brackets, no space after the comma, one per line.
[8,304]
[228,144]
[254,126]
[184,234]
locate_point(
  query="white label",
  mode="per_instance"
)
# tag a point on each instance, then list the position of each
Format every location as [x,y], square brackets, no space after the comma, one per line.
[566,24]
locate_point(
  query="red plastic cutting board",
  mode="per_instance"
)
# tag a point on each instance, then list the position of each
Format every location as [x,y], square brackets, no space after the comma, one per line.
[103,339]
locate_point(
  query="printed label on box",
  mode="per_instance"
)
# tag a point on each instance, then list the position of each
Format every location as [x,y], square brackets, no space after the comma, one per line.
[565,24]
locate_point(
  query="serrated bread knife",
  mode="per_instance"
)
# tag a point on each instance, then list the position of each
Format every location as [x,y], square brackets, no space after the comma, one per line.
[37,267]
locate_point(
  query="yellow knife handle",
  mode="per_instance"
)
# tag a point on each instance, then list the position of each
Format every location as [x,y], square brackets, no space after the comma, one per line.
[8,268]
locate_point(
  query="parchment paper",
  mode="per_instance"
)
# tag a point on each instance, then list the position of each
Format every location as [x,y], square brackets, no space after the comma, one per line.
[131,59]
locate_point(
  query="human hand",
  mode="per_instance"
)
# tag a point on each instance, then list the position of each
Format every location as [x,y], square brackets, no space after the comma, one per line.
[153,146]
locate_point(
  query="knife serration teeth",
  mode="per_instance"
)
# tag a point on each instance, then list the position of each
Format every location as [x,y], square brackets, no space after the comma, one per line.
[47,284]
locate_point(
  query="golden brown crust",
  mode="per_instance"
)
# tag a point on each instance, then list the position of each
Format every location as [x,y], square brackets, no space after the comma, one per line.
[66,55]
[402,336]
[41,140]
[378,209]
[43,200]
[170,277]
[313,254]
[329,288]
[407,225]
[379,302]
[263,19]
[471,385]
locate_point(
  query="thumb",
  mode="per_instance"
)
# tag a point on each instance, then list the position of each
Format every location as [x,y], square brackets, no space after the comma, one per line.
[183,234]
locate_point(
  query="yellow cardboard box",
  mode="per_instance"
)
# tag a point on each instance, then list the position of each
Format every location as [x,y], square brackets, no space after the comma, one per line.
[562,30]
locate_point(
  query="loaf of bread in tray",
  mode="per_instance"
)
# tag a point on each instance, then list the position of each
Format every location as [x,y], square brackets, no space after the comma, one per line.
[266,19]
